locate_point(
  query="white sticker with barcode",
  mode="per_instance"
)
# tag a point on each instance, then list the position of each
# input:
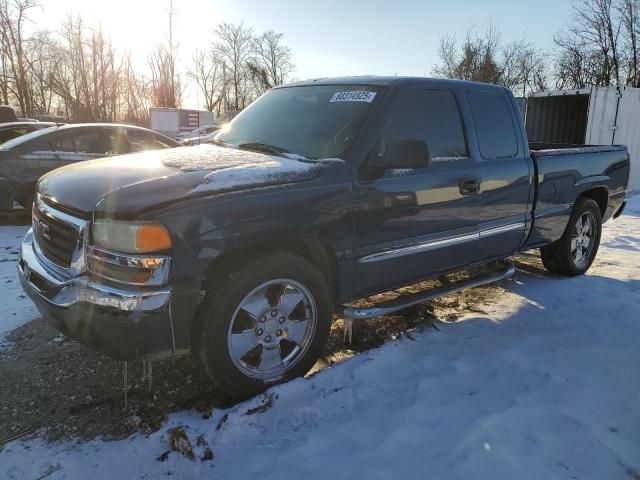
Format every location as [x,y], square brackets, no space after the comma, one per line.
[353,96]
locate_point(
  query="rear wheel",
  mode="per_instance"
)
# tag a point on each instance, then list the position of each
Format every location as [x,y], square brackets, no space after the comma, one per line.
[265,323]
[575,251]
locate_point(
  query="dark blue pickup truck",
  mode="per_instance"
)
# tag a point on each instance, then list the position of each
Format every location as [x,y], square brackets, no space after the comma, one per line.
[320,193]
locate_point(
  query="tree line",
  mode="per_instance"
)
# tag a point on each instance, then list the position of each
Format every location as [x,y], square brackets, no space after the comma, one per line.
[598,47]
[77,73]
[240,65]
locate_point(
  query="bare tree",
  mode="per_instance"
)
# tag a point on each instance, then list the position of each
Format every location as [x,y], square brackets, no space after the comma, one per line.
[207,73]
[41,60]
[271,64]
[136,95]
[630,19]
[516,65]
[523,67]
[162,62]
[234,47]
[4,70]
[476,58]
[13,16]
[86,73]
[590,49]
[77,72]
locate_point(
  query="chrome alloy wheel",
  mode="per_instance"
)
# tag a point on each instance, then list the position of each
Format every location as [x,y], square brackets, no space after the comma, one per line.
[582,239]
[272,329]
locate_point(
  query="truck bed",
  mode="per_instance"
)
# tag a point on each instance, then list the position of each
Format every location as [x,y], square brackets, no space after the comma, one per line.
[553,149]
[563,172]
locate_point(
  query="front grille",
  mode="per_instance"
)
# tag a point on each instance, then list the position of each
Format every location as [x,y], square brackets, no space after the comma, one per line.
[56,238]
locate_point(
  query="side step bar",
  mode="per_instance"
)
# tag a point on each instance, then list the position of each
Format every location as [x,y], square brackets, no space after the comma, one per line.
[406,301]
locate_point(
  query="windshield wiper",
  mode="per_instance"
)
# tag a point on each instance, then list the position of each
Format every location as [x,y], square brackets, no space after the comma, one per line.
[215,141]
[264,148]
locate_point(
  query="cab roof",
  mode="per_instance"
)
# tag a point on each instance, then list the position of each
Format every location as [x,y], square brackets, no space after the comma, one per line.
[391,81]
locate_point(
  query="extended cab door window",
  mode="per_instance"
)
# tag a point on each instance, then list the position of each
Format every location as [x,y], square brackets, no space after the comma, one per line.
[494,125]
[414,223]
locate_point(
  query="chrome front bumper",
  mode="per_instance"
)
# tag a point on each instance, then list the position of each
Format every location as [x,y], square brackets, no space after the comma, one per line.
[66,292]
[124,324]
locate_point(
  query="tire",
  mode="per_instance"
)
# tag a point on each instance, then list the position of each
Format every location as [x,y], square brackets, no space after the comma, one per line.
[283,304]
[575,251]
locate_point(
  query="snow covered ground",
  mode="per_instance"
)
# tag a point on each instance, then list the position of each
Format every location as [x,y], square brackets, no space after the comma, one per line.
[15,308]
[545,385]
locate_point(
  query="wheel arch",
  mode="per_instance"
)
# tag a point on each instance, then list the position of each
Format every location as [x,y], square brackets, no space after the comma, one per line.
[600,195]
[317,251]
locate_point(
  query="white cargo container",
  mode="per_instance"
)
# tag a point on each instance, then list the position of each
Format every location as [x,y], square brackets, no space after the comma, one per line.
[172,121]
[592,116]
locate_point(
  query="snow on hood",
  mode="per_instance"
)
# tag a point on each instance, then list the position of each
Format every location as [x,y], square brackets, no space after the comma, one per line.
[233,168]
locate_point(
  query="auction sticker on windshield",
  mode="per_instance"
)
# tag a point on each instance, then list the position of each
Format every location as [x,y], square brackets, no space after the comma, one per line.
[353,96]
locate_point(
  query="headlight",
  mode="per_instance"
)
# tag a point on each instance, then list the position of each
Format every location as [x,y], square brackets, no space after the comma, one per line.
[131,237]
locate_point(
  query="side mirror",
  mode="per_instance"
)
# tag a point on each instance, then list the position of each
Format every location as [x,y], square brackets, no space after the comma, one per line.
[402,154]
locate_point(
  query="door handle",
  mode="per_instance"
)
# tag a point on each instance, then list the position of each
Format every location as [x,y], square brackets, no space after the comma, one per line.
[469,186]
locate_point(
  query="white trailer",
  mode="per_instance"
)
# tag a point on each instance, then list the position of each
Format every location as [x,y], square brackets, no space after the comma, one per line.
[172,121]
[591,116]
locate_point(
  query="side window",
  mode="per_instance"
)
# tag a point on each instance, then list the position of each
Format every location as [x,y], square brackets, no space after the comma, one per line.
[139,140]
[62,144]
[161,142]
[6,135]
[432,116]
[90,142]
[119,142]
[94,142]
[494,125]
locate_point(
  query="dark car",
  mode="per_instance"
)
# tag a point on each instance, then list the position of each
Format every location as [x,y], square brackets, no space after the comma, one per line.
[7,114]
[25,159]
[11,130]
[317,195]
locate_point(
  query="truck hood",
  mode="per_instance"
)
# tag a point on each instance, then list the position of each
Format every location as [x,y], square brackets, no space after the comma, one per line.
[135,182]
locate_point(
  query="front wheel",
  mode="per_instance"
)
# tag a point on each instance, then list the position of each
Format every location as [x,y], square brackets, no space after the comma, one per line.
[575,251]
[266,323]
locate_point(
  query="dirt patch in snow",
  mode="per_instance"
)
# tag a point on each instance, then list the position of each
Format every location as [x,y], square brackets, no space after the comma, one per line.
[64,390]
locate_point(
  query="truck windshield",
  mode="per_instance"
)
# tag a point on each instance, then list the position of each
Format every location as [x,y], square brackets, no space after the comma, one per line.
[314,121]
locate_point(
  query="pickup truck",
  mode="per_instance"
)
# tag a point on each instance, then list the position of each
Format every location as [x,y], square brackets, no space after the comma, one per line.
[318,194]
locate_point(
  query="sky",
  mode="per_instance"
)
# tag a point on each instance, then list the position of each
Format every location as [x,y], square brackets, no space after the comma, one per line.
[328,38]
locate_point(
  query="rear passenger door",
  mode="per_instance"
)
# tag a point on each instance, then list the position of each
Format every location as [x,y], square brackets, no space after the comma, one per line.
[505,172]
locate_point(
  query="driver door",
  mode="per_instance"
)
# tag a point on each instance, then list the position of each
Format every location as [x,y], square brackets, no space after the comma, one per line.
[414,223]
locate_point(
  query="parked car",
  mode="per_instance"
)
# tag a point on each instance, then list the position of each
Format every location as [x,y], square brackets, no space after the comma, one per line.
[7,114]
[197,133]
[318,194]
[11,130]
[201,139]
[24,159]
